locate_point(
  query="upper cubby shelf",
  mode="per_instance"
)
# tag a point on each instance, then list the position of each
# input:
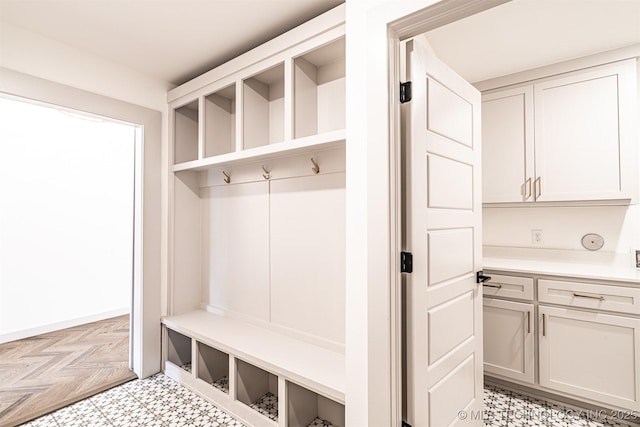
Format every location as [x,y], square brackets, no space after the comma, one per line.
[282,98]
[319,91]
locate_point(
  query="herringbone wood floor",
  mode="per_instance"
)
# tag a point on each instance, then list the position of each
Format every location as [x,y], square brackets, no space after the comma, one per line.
[46,372]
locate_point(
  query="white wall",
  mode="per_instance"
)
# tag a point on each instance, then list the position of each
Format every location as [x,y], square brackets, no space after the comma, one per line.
[67,76]
[33,54]
[563,227]
[66,219]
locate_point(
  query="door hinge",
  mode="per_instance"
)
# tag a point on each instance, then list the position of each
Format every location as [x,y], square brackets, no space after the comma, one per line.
[406,262]
[405,92]
[405,424]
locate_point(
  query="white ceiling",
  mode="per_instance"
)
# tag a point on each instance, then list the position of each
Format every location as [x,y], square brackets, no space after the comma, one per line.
[525,34]
[172,40]
[176,40]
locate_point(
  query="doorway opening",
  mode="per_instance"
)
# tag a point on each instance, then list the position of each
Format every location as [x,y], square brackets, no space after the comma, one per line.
[67,224]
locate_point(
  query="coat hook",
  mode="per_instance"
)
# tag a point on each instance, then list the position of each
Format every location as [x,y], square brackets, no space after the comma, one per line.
[227,177]
[315,168]
[266,174]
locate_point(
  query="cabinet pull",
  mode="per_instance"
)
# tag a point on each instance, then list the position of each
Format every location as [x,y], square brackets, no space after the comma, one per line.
[486,285]
[544,325]
[599,297]
[528,322]
[527,189]
[538,187]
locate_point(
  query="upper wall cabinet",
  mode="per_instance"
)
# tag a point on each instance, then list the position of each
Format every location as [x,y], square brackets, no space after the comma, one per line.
[567,138]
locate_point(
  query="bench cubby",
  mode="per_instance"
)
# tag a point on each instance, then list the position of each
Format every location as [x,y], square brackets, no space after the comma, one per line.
[213,367]
[179,349]
[257,388]
[306,408]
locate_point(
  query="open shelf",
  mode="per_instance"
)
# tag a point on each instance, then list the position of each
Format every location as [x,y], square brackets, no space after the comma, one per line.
[284,149]
[179,349]
[213,367]
[306,408]
[220,122]
[186,133]
[263,108]
[257,388]
[319,90]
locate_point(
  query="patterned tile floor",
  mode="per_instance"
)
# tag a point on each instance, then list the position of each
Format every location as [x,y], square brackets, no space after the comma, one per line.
[155,401]
[160,401]
[506,408]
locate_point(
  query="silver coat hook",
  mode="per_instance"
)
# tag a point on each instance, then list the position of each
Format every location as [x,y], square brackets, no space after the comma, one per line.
[227,177]
[315,168]
[266,174]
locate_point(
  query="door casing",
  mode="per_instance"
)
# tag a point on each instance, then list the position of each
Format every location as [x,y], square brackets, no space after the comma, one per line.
[419,22]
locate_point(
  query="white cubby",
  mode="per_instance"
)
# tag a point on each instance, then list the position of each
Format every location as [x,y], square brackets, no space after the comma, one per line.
[179,349]
[185,135]
[306,408]
[213,367]
[263,108]
[255,386]
[319,90]
[220,122]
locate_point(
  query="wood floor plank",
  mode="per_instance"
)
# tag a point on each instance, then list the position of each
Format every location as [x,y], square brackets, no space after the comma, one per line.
[47,372]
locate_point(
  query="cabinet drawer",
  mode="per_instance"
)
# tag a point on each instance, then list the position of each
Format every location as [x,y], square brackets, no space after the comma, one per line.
[590,295]
[509,287]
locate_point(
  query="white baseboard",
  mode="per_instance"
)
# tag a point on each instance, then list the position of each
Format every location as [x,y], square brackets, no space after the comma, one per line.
[38,330]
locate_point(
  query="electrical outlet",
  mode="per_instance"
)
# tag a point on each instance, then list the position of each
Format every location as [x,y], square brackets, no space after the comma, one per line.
[536,237]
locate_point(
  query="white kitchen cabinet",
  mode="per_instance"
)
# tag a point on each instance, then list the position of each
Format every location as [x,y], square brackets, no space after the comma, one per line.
[507,146]
[587,334]
[509,339]
[590,354]
[566,138]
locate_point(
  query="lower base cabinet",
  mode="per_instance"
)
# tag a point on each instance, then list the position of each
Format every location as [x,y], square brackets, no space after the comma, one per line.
[509,339]
[590,354]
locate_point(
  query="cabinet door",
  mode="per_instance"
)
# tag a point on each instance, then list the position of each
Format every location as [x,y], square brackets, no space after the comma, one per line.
[584,126]
[591,355]
[507,145]
[508,339]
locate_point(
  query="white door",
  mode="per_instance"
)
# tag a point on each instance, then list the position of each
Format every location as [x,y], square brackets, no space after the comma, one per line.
[443,231]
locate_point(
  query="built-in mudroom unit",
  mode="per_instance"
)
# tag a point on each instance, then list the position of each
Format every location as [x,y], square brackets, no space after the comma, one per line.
[256,297]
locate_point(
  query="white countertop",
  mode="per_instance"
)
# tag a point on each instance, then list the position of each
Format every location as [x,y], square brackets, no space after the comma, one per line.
[579,264]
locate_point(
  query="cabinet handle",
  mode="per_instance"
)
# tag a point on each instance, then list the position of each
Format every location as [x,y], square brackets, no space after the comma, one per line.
[527,189]
[528,322]
[538,187]
[544,325]
[486,285]
[599,297]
